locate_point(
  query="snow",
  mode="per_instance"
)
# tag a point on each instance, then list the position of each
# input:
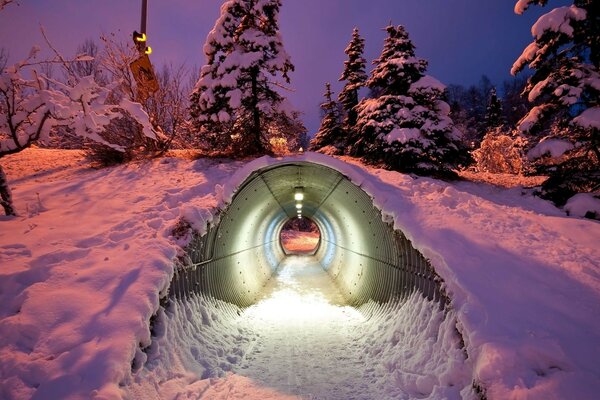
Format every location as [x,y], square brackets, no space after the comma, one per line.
[550,146]
[84,263]
[428,83]
[558,20]
[403,135]
[522,5]
[301,341]
[532,117]
[590,118]
[583,204]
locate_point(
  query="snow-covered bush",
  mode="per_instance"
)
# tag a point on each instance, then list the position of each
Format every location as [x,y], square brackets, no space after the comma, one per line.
[584,205]
[565,87]
[500,152]
[407,126]
[31,107]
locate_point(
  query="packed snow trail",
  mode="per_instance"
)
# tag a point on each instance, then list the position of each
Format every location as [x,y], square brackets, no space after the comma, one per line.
[305,332]
[300,341]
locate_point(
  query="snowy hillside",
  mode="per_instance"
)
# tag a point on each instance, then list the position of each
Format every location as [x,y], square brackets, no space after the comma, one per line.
[83,266]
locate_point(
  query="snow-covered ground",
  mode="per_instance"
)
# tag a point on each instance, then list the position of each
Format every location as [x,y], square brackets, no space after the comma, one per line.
[302,342]
[83,265]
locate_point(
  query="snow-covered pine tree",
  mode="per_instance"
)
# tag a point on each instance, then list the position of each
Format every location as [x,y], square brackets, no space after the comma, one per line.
[564,126]
[330,132]
[355,77]
[407,127]
[234,98]
[493,116]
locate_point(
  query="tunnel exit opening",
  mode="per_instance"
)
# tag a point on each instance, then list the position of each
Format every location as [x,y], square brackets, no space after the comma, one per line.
[300,236]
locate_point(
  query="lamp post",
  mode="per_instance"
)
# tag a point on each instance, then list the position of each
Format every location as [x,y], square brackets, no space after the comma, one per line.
[144,16]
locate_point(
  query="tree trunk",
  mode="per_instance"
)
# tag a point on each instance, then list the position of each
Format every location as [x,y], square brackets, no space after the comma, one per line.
[5,195]
[257,146]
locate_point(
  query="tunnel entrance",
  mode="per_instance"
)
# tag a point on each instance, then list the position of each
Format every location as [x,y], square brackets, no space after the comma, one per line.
[364,255]
[363,317]
[300,236]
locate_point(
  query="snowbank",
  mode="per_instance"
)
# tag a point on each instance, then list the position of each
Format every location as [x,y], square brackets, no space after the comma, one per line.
[82,268]
[83,265]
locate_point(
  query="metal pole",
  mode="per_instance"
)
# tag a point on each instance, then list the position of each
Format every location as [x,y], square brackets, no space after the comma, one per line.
[144,14]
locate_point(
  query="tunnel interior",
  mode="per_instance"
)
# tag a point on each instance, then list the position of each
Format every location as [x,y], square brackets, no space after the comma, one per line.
[366,258]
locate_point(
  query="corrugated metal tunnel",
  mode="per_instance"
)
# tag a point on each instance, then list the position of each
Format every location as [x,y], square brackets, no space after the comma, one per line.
[365,256]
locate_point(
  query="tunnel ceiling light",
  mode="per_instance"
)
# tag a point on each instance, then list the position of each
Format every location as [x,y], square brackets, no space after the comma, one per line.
[299,194]
[299,206]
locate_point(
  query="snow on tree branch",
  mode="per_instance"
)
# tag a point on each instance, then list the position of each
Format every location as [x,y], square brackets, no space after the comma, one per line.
[31,108]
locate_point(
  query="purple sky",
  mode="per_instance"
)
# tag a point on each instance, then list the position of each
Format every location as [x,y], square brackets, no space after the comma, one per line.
[461,39]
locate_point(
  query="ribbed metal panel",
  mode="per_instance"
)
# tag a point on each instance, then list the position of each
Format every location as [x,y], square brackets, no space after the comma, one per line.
[364,255]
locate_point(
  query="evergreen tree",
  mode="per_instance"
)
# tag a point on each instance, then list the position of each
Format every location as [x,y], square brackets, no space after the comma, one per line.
[407,126]
[564,125]
[493,115]
[234,99]
[355,76]
[330,132]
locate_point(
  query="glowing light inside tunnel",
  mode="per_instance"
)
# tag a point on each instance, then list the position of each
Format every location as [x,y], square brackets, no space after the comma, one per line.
[299,195]
[299,206]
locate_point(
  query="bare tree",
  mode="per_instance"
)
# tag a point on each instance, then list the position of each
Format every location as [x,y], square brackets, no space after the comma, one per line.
[4,3]
[115,59]
[3,58]
[92,65]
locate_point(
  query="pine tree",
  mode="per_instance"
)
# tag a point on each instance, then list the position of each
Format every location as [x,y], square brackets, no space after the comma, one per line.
[565,87]
[234,99]
[493,116]
[407,127]
[330,132]
[355,76]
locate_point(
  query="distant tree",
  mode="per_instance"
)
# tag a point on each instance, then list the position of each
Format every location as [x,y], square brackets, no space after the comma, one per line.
[564,125]
[4,3]
[514,105]
[3,58]
[287,134]
[355,77]
[330,132]
[243,50]
[494,116]
[92,66]
[407,127]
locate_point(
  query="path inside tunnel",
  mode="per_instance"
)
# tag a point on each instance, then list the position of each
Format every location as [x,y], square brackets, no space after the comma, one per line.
[306,336]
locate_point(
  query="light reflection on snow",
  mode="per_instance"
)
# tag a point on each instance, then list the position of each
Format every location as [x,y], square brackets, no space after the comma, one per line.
[302,292]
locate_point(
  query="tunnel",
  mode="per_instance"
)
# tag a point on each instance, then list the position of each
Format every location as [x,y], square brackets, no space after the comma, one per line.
[241,249]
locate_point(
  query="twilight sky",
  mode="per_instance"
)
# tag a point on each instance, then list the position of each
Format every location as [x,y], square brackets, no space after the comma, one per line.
[461,39]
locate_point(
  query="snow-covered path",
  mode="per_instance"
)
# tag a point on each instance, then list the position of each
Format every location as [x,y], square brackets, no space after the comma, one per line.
[83,266]
[305,332]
